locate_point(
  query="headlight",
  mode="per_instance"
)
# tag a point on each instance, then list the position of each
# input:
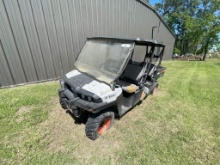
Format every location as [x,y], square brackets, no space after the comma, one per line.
[62,83]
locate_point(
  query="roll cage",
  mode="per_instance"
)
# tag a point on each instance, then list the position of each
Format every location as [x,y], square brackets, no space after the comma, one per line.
[154,53]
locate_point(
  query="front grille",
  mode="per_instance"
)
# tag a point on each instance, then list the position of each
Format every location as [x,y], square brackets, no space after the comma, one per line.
[80,95]
[83,97]
[68,87]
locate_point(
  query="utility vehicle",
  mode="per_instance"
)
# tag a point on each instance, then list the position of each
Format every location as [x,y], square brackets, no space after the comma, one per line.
[110,78]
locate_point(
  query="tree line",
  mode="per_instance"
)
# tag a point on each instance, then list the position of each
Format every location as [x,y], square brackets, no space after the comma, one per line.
[196,24]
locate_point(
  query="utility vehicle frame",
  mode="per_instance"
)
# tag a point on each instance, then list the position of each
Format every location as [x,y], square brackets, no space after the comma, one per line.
[110,78]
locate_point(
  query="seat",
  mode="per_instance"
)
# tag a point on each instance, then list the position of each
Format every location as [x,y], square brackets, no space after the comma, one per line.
[132,76]
[151,70]
[134,72]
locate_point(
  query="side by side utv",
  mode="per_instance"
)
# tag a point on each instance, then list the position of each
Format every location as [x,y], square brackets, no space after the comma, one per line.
[112,75]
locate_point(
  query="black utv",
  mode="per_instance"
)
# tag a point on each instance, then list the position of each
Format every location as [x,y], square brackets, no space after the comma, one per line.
[112,75]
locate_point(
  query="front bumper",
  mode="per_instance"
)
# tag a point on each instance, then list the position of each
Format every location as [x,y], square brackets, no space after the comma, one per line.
[69,101]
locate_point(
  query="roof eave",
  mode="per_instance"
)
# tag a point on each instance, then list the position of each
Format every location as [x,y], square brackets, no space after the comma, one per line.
[138,41]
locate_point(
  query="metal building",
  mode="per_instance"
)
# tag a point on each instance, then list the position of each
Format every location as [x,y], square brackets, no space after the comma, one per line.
[39,39]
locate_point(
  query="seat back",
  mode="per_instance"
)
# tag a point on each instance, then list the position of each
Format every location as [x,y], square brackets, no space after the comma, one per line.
[151,69]
[134,72]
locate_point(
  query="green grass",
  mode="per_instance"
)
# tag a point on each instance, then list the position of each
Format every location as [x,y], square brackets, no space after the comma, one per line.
[11,100]
[178,125]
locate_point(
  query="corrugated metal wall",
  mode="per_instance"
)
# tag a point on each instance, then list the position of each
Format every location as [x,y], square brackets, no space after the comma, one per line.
[39,39]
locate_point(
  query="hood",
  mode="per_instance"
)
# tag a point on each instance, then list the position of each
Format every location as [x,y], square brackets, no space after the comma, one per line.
[88,86]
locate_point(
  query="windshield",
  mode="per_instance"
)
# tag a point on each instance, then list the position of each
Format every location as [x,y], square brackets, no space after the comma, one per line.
[103,59]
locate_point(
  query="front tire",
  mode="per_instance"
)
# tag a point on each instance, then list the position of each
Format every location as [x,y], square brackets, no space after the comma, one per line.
[98,123]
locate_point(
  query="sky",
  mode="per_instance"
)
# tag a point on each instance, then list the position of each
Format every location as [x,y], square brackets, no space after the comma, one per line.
[152,2]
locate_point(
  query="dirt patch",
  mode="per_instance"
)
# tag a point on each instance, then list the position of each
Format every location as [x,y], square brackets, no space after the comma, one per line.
[65,136]
[21,112]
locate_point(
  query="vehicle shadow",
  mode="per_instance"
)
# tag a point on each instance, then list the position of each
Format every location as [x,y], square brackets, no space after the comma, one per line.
[79,121]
